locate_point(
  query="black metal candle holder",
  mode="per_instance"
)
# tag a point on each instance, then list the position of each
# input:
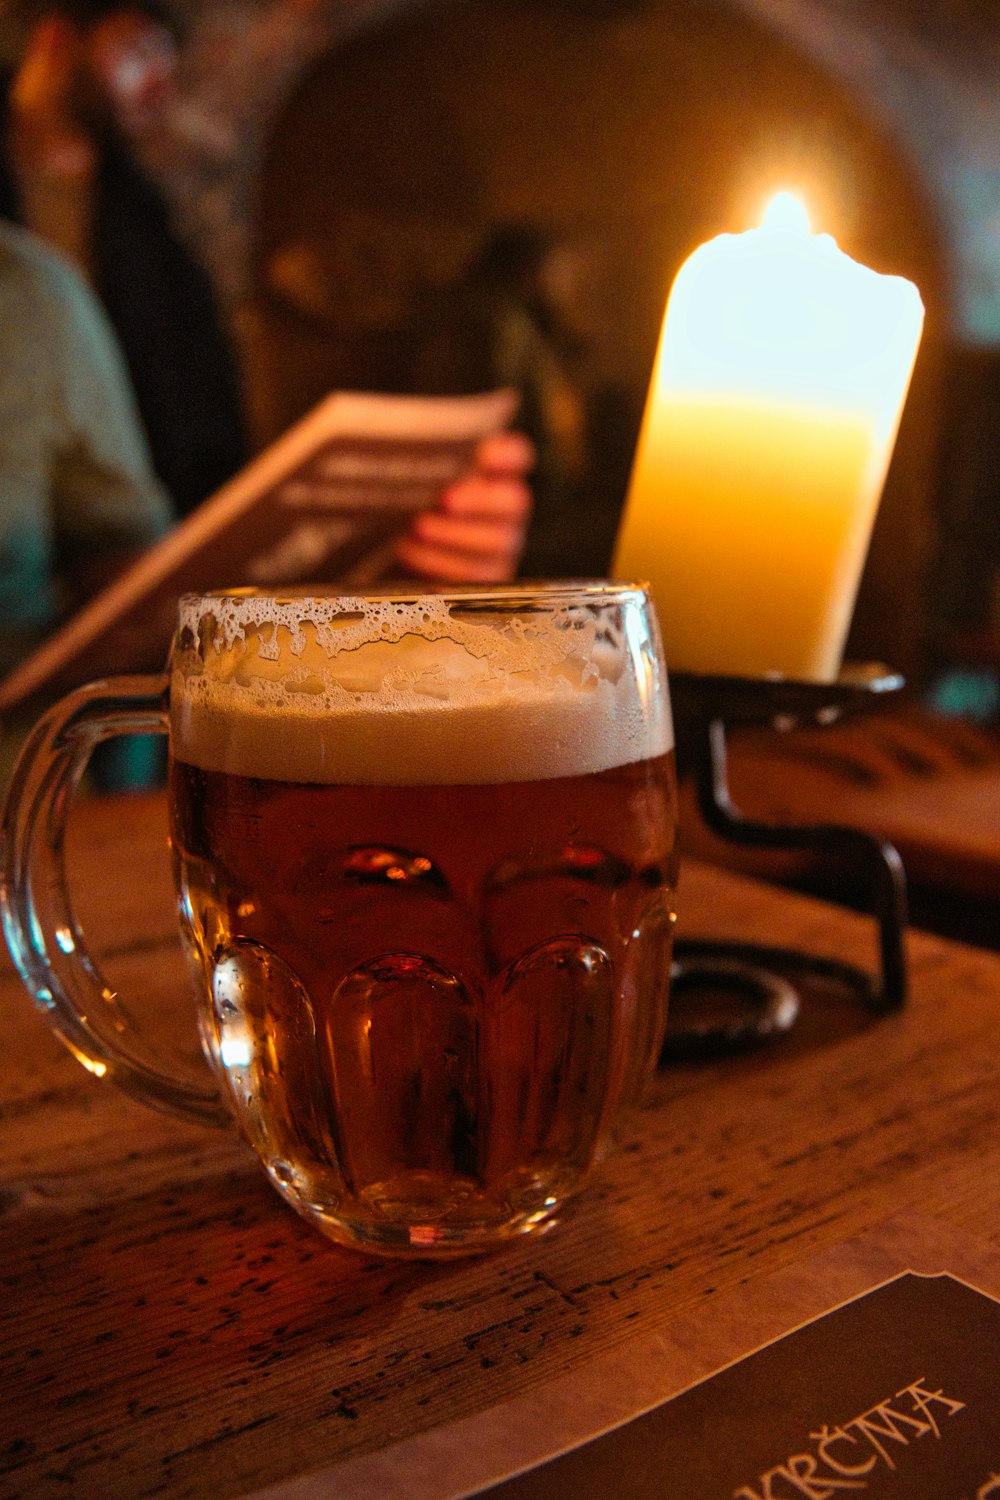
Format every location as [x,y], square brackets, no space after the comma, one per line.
[763,1001]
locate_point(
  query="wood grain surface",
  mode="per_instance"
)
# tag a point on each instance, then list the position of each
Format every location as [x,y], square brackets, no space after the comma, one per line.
[169,1328]
[929,785]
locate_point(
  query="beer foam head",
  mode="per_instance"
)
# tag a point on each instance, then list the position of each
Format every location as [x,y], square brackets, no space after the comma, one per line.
[472,687]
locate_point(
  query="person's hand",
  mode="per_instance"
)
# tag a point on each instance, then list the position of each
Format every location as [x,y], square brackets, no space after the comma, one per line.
[475,533]
[46,135]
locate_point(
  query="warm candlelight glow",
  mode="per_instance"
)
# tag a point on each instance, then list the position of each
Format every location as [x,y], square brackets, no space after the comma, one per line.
[776,395]
[786,212]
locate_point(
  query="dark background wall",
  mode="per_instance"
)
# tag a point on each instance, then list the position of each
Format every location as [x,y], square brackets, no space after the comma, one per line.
[629,134]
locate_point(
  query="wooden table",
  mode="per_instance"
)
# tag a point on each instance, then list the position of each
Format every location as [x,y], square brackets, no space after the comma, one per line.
[927,784]
[168,1327]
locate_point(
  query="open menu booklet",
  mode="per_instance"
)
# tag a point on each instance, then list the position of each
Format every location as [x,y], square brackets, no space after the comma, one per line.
[323,504]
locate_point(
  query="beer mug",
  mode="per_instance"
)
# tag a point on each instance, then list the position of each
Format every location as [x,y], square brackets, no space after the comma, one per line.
[424,848]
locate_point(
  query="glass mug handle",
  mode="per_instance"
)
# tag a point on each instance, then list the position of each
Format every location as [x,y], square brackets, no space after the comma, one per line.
[45,939]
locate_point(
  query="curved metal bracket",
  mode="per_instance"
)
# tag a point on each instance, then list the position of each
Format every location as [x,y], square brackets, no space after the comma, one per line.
[739,967]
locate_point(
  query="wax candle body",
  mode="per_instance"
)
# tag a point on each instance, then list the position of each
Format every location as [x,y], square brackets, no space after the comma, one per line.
[774,405]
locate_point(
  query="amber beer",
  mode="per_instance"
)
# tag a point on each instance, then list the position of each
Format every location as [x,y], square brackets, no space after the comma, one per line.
[426,865]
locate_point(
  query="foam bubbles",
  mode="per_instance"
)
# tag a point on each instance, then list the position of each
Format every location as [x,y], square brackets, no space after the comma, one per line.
[428,689]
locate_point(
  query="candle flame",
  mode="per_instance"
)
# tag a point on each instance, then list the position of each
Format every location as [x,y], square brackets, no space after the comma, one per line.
[786,213]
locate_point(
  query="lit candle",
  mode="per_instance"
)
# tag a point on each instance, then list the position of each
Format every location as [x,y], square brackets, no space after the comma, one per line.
[774,404]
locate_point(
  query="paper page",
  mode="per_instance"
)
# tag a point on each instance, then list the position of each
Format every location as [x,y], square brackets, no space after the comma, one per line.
[321,505]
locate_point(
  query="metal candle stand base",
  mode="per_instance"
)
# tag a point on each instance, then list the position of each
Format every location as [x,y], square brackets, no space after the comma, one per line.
[763,1003]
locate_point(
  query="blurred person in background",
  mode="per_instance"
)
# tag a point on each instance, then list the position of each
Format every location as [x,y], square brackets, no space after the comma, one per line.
[89,96]
[91,92]
[79,499]
[507,320]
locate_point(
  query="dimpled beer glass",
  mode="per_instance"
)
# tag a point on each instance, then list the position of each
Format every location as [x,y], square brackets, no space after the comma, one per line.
[424,849]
